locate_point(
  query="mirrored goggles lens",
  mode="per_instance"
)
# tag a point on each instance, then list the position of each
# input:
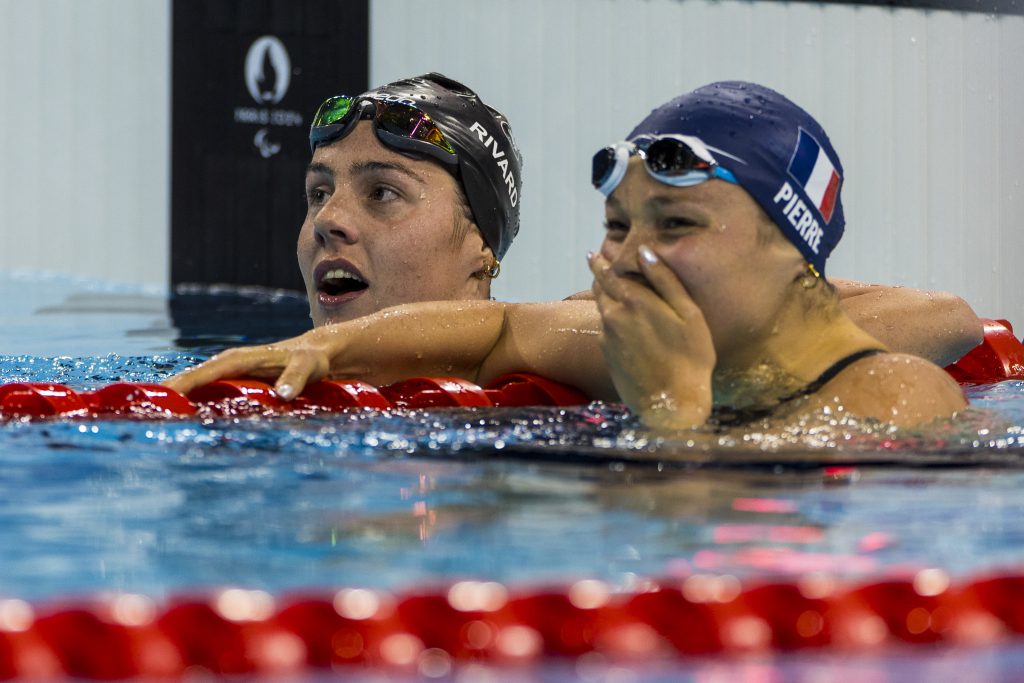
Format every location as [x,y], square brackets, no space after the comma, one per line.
[601,165]
[333,110]
[668,159]
[671,157]
[409,122]
[400,122]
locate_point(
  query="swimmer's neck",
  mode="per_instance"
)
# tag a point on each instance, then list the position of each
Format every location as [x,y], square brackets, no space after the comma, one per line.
[787,362]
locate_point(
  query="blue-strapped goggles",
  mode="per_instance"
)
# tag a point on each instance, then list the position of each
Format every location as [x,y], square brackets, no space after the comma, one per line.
[676,160]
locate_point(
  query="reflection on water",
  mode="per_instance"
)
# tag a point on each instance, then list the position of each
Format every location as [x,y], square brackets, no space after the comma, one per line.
[157,506]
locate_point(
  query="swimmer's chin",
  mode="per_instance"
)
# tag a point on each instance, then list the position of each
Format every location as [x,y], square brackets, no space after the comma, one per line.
[323,319]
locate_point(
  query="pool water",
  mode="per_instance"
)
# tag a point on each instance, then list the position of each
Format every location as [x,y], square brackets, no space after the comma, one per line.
[525,496]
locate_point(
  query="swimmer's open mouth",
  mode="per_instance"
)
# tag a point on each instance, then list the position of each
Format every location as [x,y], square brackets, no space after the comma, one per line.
[338,281]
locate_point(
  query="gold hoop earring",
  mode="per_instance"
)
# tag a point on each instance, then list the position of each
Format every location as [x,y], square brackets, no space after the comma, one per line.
[810,279]
[490,272]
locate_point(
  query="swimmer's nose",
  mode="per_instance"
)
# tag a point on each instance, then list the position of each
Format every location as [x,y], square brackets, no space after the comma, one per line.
[625,260]
[332,226]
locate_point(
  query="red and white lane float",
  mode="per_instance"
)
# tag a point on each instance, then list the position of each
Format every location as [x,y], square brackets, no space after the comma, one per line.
[240,631]
[999,357]
[42,400]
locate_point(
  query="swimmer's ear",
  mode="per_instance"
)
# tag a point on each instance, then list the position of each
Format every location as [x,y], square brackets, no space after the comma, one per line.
[808,276]
[489,267]
[490,270]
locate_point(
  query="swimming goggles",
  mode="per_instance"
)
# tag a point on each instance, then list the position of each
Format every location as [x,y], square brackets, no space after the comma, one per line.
[676,160]
[398,124]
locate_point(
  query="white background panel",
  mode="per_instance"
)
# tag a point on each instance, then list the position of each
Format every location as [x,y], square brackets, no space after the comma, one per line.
[84,129]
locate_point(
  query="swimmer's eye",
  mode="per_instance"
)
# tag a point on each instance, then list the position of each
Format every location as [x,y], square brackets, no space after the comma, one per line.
[314,196]
[616,230]
[384,193]
[678,223]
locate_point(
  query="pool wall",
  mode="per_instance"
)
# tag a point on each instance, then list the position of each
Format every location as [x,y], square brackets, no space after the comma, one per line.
[923,105]
[84,134]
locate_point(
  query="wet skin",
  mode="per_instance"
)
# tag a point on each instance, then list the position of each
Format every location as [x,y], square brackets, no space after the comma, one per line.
[379,229]
[709,236]
[695,288]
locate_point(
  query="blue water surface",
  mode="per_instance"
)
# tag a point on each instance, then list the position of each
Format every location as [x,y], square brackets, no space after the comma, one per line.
[397,499]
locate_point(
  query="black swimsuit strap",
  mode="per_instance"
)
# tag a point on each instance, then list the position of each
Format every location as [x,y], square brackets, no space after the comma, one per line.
[733,417]
[830,373]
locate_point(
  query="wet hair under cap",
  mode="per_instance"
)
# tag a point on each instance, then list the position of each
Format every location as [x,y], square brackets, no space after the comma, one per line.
[779,154]
[490,165]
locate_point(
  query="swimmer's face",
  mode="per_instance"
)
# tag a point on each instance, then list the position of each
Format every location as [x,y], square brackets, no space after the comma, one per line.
[737,269]
[380,231]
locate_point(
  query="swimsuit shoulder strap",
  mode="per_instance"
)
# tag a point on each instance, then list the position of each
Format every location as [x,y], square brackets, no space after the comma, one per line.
[733,417]
[833,370]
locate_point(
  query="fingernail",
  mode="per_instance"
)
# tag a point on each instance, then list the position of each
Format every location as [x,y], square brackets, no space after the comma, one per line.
[590,256]
[286,391]
[648,256]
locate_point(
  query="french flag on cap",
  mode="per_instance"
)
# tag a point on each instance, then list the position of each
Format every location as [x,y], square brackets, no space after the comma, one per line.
[812,168]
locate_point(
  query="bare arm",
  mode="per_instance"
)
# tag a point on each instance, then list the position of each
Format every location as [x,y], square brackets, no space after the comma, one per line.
[476,340]
[934,325]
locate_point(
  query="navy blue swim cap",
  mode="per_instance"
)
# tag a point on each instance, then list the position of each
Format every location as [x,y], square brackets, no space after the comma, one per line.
[779,154]
[490,165]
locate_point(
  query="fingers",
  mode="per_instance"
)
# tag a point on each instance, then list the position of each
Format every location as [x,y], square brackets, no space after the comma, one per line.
[610,287]
[606,282]
[229,364]
[664,281]
[301,368]
[603,276]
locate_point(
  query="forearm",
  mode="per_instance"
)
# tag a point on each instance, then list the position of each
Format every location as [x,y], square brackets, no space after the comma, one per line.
[474,340]
[433,338]
[559,340]
[937,326]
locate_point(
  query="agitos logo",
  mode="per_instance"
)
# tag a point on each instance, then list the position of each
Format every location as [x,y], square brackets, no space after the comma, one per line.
[268,73]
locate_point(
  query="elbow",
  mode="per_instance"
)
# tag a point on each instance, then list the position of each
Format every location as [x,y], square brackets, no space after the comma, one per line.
[964,330]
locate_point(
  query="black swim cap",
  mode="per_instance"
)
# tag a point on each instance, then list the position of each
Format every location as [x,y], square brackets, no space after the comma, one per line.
[490,165]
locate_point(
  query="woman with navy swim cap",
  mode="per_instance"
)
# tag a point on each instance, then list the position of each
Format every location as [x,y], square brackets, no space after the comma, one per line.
[711,285]
[721,210]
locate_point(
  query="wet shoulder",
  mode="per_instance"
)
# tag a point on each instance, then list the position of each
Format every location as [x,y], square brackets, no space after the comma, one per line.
[894,387]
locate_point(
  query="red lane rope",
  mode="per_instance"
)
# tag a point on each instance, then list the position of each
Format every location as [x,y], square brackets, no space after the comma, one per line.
[38,400]
[237,631]
[1000,356]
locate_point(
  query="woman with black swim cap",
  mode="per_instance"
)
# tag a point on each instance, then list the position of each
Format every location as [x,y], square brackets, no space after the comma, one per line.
[711,285]
[412,195]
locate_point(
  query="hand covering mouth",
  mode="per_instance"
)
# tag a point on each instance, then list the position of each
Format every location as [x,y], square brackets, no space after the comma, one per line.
[336,280]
